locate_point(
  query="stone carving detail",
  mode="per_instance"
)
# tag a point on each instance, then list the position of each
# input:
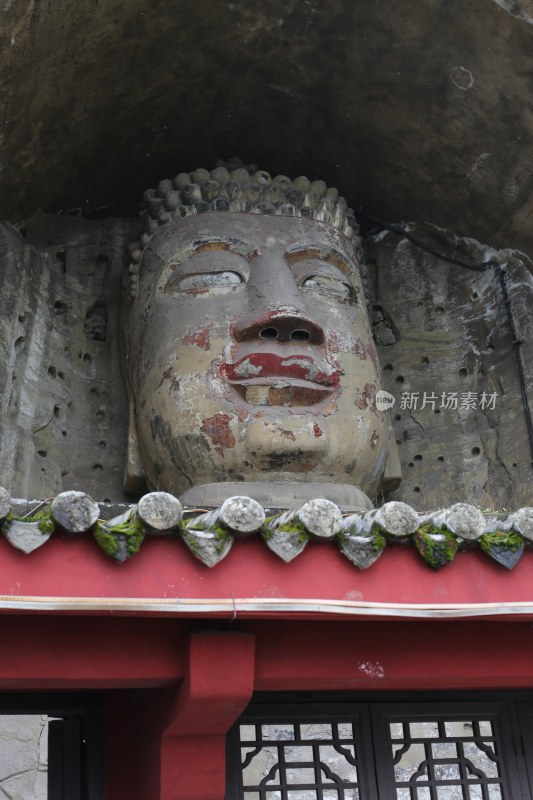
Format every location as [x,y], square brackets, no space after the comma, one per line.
[250,351]
[61,379]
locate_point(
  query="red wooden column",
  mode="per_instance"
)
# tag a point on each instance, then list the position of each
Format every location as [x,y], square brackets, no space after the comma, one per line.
[181,735]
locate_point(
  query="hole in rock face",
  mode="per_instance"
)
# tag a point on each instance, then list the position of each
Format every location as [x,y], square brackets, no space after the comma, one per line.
[388,368]
[98,468]
[439,309]
[268,333]
[61,258]
[52,371]
[397,417]
[418,458]
[440,458]
[60,308]
[424,360]
[416,489]
[463,372]
[476,451]
[95,326]
[42,453]
[300,336]
[400,379]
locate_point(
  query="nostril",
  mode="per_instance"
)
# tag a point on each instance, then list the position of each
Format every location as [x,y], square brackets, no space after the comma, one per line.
[268,333]
[300,336]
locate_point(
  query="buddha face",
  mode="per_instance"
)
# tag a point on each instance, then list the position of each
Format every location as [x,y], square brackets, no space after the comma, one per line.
[251,357]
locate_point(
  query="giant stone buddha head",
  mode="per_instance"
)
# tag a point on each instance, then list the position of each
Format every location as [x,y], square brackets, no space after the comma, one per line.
[250,354]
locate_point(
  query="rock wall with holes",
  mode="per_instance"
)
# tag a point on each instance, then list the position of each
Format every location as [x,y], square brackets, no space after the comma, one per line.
[63,407]
[442,331]
[446,348]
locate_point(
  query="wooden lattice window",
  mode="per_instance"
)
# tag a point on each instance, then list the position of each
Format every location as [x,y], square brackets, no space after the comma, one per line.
[390,751]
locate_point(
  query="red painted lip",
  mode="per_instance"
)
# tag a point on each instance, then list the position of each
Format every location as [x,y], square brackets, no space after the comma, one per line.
[257,366]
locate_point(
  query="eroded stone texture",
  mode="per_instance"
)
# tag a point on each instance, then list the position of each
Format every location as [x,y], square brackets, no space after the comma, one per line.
[242,515]
[25,536]
[160,511]
[63,421]
[453,340]
[284,304]
[451,336]
[23,757]
[75,511]
[5,502]
[418,109]
[462,519]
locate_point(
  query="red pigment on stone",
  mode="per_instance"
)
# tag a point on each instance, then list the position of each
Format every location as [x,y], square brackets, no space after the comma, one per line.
[359,349]
[371,350]
[165,376]
[271,365]
[337,344]
[199,338]
[317,430]
[366,398]
[217,428]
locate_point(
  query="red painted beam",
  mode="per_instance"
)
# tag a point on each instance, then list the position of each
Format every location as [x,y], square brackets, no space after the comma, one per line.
[179,740]
[75,568]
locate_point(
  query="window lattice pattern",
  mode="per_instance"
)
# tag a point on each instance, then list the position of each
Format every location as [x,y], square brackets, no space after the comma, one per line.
[446,760]
[299,761]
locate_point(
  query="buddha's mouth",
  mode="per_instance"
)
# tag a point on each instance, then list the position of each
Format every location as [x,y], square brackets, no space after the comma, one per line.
[267,379]
[281,392]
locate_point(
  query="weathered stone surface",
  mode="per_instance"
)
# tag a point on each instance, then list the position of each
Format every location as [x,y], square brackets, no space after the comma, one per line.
[5,502]
[395,518]
[362,551]
[522,521]
[160,510]
[462,519]
[74,511]
[437,549]
[285,544]
[303,352]
[458,417]
[242,515]
[67,423]
[504,548]
[25,536]
[396,79]
[23,757]
[321,519]
[209,547]
[120,537]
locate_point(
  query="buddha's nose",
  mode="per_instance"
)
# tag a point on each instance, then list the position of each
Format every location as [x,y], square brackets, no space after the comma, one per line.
[282,324]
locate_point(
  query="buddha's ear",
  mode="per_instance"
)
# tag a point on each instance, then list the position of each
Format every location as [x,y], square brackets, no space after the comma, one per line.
[393,470]
[134,476]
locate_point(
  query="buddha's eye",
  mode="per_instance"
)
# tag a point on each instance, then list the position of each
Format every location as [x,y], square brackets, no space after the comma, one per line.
[328,286]
[204,282]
